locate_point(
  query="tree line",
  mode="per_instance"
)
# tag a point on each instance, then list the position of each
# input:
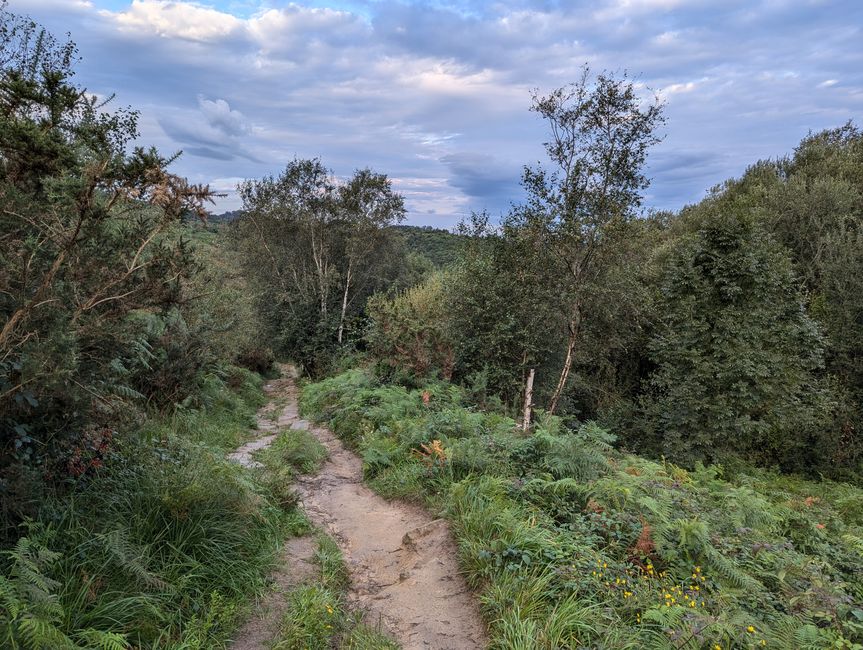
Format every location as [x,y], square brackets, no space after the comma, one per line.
[730,329]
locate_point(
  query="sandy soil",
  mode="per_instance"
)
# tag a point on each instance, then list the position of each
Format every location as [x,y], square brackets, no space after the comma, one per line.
[402,561]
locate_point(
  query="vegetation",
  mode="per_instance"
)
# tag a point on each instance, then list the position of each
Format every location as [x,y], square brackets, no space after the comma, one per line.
[317,616]
[440,247]
[686,473]
[574,544]
[123,525]
[317,249]
[723,333]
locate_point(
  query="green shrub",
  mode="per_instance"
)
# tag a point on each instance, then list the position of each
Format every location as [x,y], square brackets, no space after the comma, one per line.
[574,544]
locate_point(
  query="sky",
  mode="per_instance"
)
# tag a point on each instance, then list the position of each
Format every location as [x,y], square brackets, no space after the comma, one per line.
[436,94]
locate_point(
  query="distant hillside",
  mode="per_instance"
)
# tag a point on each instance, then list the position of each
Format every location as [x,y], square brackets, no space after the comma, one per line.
[440,246]
[225,217]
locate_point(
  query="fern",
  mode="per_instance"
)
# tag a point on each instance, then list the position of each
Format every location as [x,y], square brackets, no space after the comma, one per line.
[32,615]
[854,542]
[41,634]
[102,640]
[130,558]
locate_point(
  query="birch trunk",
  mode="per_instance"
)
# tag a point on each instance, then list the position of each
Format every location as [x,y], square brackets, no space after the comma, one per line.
[528,401]
[574,327]
[345,302]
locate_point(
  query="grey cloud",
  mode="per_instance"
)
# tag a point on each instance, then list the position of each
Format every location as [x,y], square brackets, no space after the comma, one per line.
[741,79]
[481,176]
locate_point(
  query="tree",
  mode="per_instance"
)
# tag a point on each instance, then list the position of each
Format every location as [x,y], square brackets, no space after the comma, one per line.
[600,137]
[368,207]
[317,247]
[737,357]
[86,239]
[502,305]
[812,203]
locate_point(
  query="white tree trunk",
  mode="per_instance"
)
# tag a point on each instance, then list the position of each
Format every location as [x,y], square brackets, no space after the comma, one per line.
[528,401]
[574,327]
[345,302]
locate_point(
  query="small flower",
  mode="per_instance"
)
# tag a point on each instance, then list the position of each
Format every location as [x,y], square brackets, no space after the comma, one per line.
[750,629]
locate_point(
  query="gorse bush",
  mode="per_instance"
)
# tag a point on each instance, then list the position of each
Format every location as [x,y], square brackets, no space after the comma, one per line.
[98,321]
[574,544]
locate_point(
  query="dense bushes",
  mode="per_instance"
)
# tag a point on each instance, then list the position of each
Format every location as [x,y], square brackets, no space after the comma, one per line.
[573,544]
[737,357]
[727,330]
[159,545]
[94,265]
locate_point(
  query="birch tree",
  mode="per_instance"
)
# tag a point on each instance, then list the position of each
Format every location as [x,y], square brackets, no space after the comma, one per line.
[317,247]
[600,134]
[369,206]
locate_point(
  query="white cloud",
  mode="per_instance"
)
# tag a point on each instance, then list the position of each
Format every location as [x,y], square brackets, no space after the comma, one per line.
[438,98]
[176,20]
[220,115]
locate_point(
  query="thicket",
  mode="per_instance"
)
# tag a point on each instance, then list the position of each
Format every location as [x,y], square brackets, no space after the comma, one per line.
[574,544]
[315,249]
[727,331]
[123,525]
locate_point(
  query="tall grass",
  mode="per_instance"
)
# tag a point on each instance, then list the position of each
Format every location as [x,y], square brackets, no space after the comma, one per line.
[159,548]
[572,543]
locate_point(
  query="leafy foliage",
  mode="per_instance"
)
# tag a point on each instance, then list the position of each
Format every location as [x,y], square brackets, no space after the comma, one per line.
[315,249]
[574,544]
[736,355]
[92,257]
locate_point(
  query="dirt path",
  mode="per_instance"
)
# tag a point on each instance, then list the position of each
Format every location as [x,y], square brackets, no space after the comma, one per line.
[296,565]
[402,562]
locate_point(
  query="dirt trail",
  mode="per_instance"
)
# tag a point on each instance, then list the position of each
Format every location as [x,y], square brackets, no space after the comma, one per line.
[402,562]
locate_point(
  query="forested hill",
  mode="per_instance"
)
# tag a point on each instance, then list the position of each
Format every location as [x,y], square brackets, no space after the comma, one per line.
[440,247]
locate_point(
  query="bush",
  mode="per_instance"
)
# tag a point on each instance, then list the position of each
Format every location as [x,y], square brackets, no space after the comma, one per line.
[161,543]
[574,544]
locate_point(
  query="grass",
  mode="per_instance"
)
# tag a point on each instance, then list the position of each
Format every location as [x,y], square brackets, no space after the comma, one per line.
[296,449]
[572,543]
[317,617]
[161,547]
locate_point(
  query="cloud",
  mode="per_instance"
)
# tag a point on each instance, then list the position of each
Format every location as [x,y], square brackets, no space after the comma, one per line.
[175,20]
[220,116]
[215,131]
[484,178]
[436,93]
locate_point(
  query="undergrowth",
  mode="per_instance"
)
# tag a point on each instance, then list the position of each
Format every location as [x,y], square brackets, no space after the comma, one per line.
[159,547]
[317,617]
[574,544]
